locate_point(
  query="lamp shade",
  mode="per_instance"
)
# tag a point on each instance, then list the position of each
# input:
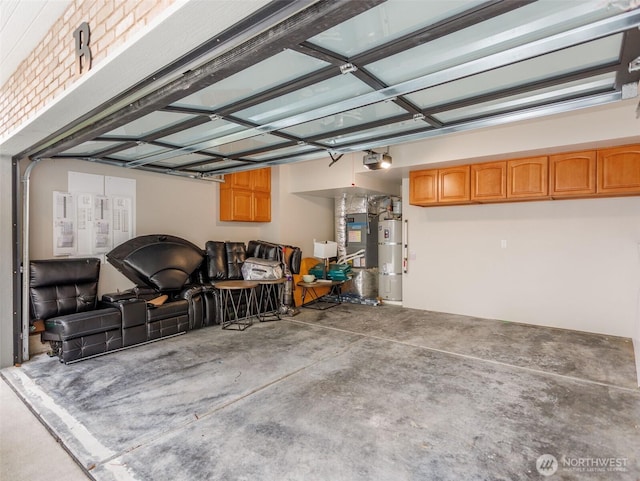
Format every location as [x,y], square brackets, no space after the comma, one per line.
[325,249]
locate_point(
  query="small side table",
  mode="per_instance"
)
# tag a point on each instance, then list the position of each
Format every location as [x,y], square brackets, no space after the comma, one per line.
[320,302]
[270,299]
[234,316]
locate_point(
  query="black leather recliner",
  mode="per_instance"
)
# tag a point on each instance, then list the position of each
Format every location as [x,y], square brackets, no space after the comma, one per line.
[223,261]
[158,265]
[64,294]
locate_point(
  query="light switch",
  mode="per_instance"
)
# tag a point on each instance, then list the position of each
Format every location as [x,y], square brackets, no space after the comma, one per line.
[503,243]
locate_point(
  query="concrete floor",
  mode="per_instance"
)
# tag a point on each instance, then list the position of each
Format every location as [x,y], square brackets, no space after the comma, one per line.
[352,393]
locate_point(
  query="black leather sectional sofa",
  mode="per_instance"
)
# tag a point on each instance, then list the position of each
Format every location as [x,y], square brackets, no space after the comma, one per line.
[163,268]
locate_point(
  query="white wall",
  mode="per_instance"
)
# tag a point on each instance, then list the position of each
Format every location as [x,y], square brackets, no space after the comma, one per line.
[296,219]
[346,175]
[181,207]
[571,264]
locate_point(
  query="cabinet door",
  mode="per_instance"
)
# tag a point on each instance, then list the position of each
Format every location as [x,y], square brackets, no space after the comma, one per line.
[489,181]
[423,187]
[527,178]
[619,170]
[261,180]
[454,185]
[239,180]
[242,204]
[261,207]
[572,174]
[226,203]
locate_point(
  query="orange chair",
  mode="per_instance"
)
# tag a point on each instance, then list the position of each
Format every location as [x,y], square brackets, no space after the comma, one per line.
[306,264]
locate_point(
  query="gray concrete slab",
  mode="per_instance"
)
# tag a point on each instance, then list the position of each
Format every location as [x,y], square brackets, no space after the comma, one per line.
[393,412]
[102,406]
[351,393]
[595,357]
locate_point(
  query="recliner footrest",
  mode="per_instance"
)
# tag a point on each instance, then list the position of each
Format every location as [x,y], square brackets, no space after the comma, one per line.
[85,346]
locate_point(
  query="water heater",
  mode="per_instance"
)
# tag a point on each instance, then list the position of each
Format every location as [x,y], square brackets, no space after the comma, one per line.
[390,259]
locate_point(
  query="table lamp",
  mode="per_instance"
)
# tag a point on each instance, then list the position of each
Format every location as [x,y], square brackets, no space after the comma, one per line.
[325,250]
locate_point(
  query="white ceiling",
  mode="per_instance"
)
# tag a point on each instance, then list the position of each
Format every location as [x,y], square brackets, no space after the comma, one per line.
[23,23]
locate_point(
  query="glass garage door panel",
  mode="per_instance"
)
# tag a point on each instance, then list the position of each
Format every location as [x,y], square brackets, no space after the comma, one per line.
[373,134]
[148,124]
[90,148]
[224,164]
[182,160]
[347,119]
[139,152]
[538,97]
[387,22]
[318,95]
[531,22]
[252,143]
[592,54]
[284,152]
[203,132]
[274,71]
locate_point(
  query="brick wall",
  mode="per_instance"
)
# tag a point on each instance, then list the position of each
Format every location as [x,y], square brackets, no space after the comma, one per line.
[51,67]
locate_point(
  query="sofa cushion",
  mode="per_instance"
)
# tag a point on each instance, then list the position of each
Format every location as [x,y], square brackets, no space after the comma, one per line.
[167,310]
[59,287]
[216,264]
[236,255]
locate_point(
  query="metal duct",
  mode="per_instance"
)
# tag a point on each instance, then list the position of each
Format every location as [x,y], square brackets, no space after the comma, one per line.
[364,283]
[341,224]
[356,204]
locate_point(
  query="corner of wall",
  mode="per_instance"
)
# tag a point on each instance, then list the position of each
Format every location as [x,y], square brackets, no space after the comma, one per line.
[6,272]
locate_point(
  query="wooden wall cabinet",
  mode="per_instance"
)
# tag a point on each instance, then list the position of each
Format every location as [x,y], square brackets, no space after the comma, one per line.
[619,170]
[527,178]
[261,206]
[593,173]
[423,187]
[454,185]
[573,174]
[489,182]
[246,196]
[440,186]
